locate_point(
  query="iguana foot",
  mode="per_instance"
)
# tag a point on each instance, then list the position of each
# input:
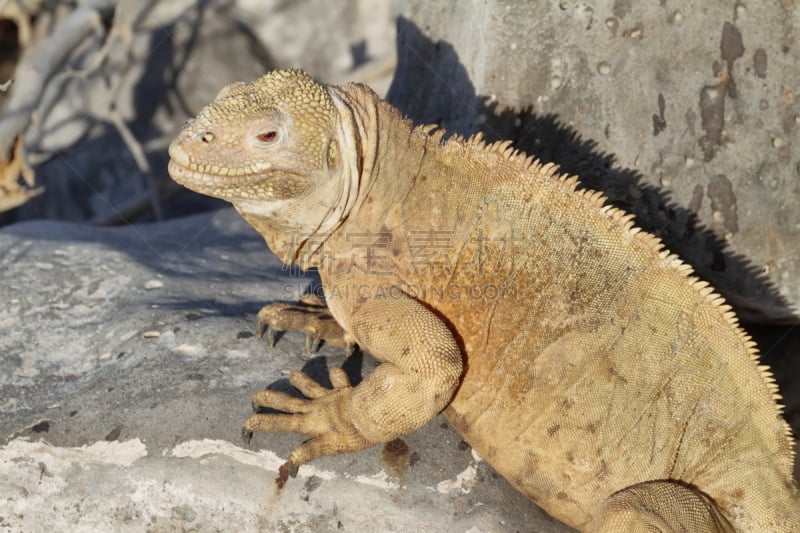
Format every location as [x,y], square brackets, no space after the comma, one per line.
[324,415]
[662,505]
[310,315]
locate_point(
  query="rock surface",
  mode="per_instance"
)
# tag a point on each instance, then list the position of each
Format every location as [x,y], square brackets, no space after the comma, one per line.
[127,360]
[684,113]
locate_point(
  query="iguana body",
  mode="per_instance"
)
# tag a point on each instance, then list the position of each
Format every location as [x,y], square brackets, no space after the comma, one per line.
[582,361]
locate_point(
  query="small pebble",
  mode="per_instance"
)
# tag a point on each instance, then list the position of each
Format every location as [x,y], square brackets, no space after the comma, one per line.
[99,294]
[187,350]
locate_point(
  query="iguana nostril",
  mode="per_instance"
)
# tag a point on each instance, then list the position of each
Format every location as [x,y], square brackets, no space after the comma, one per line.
[208,137]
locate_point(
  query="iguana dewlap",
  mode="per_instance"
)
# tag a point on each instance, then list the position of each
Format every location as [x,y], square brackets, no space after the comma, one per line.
[578,357]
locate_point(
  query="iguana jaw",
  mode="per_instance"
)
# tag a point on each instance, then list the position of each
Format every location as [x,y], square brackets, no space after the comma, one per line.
[215,180]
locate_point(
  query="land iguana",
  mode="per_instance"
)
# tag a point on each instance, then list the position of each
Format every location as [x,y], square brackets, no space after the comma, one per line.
[574,353]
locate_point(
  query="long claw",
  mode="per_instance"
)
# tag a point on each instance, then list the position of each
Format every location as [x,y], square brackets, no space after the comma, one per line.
[310,316]
[286,469]
[265,327]
[309,344]
[247,436]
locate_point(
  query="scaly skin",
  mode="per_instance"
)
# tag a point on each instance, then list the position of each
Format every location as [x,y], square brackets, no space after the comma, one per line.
[579,358]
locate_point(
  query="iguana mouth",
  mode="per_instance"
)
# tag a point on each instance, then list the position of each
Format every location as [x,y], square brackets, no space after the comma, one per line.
[253,184]
[183,169]
[201,177]
[218,180]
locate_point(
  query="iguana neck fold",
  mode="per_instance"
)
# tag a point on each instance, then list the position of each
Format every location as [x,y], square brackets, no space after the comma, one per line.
[364,121]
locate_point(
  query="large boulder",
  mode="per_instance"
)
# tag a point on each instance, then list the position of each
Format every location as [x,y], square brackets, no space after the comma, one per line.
[684,114]
[127,362]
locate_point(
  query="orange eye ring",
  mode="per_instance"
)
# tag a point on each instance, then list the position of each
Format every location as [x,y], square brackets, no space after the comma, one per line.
[268,136]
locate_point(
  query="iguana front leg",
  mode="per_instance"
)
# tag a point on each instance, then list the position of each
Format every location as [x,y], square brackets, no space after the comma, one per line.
[420,372]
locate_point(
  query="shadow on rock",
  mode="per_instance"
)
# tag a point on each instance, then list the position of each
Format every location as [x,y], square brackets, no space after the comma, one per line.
[431,85]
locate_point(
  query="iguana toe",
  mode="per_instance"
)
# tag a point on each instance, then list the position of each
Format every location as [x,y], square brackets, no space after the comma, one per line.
[281,401]
[309,315]
[266,328]
[247,436]
[325,417]
[311,389]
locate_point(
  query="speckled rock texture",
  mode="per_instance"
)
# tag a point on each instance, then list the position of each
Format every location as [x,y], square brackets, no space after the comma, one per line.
[127,360]
[685,113]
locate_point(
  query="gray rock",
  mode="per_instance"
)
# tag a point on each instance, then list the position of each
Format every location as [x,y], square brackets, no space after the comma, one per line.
[685,114]
[127,360]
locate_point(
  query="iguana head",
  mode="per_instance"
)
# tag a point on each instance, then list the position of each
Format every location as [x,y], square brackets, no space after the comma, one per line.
[271,147]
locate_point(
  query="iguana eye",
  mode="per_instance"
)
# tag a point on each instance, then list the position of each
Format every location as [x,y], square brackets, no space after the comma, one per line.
[268,136]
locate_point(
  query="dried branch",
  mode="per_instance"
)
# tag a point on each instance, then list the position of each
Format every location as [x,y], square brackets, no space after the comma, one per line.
[37,69]
[137,152]
[12,193]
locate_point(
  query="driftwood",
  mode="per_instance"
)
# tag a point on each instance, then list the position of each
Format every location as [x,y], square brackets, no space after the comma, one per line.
[42,61]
